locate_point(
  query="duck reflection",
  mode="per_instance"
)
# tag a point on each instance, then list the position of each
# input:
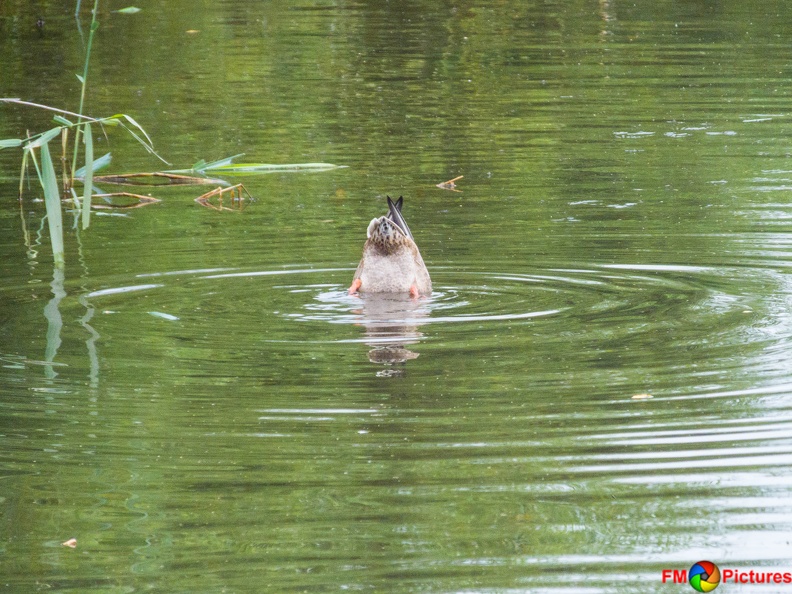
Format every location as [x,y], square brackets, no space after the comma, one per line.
[391,322]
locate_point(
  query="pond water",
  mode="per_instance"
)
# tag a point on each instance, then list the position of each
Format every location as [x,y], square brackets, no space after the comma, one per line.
[598,389]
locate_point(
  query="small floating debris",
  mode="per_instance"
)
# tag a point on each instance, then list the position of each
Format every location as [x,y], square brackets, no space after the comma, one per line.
[71,543]
[450,185]
[164,316]
[641,397]
[218,194]
[639,134]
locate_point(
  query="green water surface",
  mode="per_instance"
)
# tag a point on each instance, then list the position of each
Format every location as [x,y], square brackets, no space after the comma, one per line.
[597,390]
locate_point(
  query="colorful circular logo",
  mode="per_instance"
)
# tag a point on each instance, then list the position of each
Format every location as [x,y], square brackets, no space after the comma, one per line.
[704,576]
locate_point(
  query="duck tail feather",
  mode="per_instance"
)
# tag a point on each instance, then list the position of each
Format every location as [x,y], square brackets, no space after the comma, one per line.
[395,215]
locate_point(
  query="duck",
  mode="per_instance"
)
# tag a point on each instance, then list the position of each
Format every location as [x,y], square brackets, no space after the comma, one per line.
[391,261]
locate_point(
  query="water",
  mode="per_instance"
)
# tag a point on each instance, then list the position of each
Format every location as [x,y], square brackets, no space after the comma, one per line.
[597,390]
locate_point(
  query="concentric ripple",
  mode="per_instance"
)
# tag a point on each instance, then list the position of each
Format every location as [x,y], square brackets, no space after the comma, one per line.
[592,310]
[666,296]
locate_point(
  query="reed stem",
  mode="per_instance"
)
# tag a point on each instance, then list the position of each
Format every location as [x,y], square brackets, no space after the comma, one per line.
[84,80]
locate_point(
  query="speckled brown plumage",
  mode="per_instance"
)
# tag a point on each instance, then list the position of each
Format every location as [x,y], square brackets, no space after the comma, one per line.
[391,261]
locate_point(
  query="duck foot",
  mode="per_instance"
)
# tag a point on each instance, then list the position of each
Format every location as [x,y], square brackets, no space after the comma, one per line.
[354,286]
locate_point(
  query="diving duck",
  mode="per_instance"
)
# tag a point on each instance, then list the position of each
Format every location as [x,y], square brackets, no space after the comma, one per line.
[391,262]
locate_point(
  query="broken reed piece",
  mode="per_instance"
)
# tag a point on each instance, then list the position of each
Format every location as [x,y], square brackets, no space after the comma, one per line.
[237,200]
[157,178]
[141,201]
[137,200]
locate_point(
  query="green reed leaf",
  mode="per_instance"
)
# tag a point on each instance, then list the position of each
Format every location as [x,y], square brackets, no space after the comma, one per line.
[52,202]
[43,138]
[61,120]
[226,166]
[88,183]
[98,164]
[273,168]
[10,143]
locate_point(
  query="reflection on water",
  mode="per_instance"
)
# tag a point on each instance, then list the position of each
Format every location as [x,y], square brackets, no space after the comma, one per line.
[201,405]
[391,323]
[54,320]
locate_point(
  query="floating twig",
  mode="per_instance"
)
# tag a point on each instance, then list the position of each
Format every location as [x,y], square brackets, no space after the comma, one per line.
[141,201]
[157,178]
[450,185]
[218,193]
